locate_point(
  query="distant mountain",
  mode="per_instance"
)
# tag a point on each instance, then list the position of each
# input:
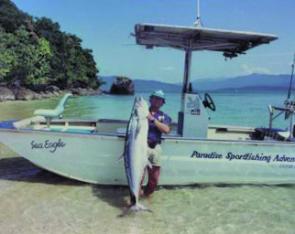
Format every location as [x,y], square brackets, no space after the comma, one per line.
[150,85]
[253,82]
[143,85]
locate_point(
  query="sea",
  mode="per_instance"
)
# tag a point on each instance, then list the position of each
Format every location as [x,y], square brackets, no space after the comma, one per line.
[33,200]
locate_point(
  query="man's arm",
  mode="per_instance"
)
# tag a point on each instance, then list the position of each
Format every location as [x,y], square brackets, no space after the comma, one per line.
[164,128]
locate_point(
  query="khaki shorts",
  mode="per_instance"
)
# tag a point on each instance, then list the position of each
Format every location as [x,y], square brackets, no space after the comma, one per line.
[154,155]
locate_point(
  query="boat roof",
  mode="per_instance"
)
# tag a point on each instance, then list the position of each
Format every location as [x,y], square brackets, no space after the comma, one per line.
[231,43]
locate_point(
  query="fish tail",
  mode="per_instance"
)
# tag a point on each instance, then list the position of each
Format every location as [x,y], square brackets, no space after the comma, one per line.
[134,209]
[138,207]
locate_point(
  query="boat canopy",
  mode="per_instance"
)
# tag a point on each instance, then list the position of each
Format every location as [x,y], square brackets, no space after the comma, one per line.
[231,43]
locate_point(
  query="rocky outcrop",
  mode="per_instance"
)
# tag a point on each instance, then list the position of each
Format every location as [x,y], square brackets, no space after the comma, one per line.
[52,88]
[6,94]
[47,94]
[25,94]
[85,92]
[122,86]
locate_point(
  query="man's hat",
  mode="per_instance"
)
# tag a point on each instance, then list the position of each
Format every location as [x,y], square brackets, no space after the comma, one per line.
[158,94]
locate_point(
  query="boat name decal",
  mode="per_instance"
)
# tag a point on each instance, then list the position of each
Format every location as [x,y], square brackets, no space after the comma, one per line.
[47,144]
[245,156]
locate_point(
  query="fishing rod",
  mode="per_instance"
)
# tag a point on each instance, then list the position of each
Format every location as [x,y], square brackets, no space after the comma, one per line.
[290,104]
[291,78]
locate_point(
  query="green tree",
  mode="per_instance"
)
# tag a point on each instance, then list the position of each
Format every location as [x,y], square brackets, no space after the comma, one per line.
[11,18]
[39,64]
[72,66]
[35,51]
[8,58]
[22,59]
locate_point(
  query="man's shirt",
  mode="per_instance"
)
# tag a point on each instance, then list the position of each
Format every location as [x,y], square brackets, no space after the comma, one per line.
[154,134]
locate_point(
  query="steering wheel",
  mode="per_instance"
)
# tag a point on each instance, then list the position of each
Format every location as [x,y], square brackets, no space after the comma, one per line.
[208,102]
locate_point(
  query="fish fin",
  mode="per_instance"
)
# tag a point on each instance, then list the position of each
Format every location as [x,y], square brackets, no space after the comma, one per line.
[139,207]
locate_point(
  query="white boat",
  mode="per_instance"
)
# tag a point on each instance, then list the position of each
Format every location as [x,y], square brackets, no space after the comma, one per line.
[194,152]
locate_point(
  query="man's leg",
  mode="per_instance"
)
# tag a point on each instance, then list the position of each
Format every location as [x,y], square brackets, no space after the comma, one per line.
[154,172]
[141,192]
[154,175]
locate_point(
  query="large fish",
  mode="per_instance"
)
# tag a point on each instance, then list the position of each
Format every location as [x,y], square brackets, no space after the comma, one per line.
[135,155]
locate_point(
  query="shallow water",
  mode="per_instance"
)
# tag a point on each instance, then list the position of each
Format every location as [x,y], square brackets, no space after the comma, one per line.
[35,201]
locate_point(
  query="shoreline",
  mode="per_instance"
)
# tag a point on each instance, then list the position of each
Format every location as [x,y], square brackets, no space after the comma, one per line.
[26,94]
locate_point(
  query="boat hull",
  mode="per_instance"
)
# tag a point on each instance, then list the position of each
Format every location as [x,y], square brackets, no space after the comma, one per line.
[94,158]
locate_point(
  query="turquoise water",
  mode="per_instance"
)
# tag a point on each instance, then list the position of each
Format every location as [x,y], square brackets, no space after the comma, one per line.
[247,109]
[35,201]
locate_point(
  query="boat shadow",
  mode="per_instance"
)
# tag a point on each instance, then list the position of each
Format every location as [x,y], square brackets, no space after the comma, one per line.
[116,196]
[19,169]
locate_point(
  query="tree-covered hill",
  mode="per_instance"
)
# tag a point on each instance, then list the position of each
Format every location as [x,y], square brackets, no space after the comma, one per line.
[35,53]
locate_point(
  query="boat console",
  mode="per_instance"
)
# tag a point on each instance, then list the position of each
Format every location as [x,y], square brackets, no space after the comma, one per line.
[193,121]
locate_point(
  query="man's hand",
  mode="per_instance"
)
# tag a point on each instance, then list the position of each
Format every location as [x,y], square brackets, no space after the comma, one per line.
[150,117]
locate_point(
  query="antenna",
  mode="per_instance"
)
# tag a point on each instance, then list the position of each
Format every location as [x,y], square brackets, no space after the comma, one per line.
[291,78]
[198,22]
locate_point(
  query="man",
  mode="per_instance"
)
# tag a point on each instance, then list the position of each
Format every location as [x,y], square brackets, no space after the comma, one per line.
[159,123]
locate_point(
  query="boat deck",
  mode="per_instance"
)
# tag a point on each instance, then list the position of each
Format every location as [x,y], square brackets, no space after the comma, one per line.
[118,127]
[113,127]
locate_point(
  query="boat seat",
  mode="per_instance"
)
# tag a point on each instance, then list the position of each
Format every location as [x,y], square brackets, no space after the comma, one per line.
[55,113]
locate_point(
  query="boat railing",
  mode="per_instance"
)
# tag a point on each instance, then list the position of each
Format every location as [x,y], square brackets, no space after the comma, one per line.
[288,110]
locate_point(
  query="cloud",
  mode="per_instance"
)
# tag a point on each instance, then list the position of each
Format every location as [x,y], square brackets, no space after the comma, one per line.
[250,69]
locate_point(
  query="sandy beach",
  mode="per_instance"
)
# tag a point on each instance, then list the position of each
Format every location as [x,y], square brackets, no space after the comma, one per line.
[36,201]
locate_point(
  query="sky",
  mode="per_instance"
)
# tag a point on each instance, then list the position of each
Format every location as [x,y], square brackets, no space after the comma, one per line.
[105,27]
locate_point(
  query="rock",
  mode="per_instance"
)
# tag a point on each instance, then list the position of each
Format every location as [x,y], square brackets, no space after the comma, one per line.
[55,93]
[6,94]
[38,96]
[75,91]
[122,86]
[38,88]
[85,92]
[46,94]
[52,88]
[25,94]
[82,92]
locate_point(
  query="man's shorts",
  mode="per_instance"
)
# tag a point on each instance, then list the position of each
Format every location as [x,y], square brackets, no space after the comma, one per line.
[154,155]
